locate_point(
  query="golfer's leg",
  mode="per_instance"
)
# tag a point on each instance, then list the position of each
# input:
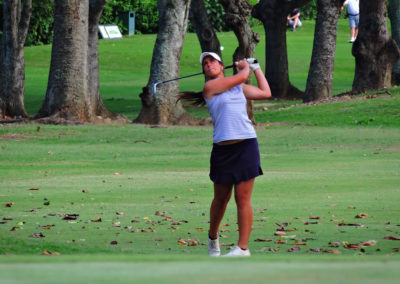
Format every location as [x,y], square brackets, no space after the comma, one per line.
[353,33]
[222,195]
[243,193]
[296,22]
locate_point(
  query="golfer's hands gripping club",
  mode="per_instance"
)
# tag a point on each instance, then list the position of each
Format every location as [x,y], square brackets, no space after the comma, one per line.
[254,65]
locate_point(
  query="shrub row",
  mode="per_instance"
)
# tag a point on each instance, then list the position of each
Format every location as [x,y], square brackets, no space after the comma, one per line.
[146,17]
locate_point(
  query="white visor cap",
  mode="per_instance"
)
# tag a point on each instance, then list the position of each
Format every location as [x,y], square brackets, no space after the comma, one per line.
[212,54]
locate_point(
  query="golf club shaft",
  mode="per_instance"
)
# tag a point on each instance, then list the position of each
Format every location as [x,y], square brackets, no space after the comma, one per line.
[191,75]
[154,88]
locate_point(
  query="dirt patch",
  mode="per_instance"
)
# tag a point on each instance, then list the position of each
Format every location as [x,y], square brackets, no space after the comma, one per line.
[345,97]
[16,137]
[393,149]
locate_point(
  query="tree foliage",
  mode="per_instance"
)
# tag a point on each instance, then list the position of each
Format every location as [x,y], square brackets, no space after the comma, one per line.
[146,16]
[41,27]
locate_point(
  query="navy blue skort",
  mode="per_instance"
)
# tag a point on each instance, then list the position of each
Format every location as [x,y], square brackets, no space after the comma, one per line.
[231,164]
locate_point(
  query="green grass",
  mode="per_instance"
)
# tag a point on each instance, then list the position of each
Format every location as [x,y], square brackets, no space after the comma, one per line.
[333,173]
[333,161]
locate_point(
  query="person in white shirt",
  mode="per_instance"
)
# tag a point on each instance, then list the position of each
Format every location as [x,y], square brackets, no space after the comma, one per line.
[353,11]
[235,157]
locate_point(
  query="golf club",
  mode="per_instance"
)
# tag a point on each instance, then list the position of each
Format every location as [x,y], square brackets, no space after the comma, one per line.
[154,88]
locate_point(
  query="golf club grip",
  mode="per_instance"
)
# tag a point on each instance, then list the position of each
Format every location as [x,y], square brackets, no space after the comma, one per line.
[233,65]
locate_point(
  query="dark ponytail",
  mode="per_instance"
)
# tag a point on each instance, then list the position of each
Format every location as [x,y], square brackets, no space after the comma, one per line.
[196,98]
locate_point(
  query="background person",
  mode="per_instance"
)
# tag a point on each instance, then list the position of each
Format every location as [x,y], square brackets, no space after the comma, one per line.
[293,19]
[353,11]
[235,157]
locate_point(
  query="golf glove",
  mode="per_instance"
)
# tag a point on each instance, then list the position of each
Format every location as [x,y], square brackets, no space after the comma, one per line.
[254,65]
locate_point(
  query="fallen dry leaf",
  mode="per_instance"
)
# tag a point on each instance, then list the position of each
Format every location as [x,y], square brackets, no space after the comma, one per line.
[311,223]
[298,244]
[315,217]
[226,244]
[334,244]
[361,216]
[351,224]
[295,249]
[46,227]
[393,238]
[348,245]
[36,235]
[263,240]
[15,228]
[192,242]
[47,252]
[279,241]
[182,242]
[368,243]
[314,250]
[274,249]
[9,204]
[70,216]
[161,214]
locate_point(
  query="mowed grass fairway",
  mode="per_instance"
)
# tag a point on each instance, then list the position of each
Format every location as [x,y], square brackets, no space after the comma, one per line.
[129,204]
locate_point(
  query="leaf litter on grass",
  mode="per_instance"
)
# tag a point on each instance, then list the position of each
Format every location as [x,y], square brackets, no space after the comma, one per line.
[295,243]
[360,246]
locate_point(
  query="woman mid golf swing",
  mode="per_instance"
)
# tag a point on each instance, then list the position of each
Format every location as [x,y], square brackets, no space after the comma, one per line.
[235,158]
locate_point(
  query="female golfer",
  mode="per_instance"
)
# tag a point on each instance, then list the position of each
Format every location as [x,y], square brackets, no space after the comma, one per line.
[235,158]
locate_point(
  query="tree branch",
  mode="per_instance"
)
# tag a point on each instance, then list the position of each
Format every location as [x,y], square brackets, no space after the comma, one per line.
[23,24]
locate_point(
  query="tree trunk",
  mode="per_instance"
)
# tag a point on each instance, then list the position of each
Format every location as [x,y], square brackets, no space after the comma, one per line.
[161,108]
[394,15]
[320,75]
[72,92]
[236,16]
[12,60]
[97,106]
[374,50]
[203,28]
[273,13]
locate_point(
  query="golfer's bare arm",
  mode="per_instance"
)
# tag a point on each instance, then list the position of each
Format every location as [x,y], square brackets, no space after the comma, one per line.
[220,85]
[261,92]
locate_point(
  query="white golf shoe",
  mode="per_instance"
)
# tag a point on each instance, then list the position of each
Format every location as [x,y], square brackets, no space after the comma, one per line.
[238,252]
[213,247]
